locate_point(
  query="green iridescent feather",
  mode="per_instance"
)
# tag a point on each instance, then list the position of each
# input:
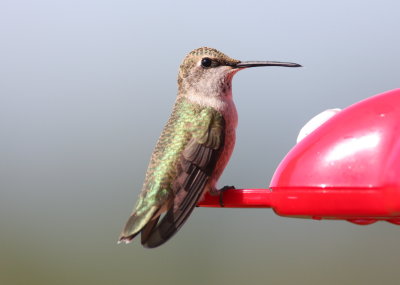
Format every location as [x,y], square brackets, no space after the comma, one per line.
[188,121]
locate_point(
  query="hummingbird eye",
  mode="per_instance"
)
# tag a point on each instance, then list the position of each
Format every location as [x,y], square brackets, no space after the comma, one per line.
[206,62]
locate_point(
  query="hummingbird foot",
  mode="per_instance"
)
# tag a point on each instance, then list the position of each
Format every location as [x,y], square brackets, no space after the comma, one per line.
[220,192]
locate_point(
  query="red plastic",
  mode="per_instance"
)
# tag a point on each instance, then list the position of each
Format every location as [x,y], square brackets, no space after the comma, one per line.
[348,168]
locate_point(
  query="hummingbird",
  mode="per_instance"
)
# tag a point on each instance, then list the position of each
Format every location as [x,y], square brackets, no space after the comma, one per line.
[193,149]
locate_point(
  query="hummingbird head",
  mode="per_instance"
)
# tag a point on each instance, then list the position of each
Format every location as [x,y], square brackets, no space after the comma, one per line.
[207,72]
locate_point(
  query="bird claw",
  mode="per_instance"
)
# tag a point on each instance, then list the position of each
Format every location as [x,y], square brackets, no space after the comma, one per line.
[227,188]
[220,192]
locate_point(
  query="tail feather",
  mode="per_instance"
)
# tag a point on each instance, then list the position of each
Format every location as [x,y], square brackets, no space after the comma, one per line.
[173,219]
[135,224]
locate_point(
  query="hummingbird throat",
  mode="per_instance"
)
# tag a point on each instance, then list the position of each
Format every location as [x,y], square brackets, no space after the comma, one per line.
[217,98]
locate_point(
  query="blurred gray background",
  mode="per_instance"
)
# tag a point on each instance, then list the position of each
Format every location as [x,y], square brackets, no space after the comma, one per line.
[85,89]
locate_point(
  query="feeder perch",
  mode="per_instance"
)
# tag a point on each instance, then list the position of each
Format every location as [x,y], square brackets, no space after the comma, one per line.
[346,169]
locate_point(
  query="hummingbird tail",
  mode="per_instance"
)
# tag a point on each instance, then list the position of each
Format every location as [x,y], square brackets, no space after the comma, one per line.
[175,217]
[135,224]
[165,230]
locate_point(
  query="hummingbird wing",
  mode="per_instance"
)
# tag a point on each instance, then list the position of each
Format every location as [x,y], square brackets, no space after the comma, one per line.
[196,165]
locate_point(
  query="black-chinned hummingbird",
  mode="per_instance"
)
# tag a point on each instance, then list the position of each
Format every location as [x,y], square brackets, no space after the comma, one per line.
[194,147]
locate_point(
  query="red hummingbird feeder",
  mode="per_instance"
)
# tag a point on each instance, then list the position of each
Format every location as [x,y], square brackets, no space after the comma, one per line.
[346,169]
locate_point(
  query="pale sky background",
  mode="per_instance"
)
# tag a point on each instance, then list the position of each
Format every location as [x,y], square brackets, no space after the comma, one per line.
[85,89]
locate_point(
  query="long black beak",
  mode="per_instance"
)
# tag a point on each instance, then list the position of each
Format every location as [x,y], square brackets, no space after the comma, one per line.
[246,64]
